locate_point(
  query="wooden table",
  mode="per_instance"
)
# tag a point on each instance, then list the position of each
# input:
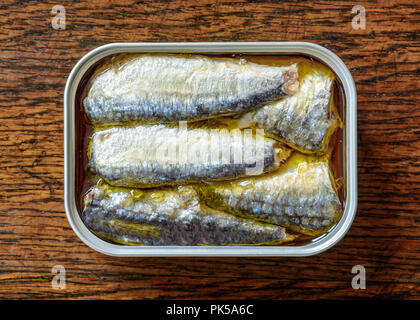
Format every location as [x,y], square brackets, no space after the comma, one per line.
[35,60]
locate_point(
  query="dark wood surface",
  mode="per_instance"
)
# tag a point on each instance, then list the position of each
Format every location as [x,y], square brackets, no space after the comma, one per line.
[35,61]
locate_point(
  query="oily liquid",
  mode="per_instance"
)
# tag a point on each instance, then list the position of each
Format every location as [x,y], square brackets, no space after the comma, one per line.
[84,179]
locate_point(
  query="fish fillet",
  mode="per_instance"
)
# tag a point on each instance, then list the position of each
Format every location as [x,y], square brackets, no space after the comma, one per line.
[305,120]
[172,216]
[301,197]
[145,156]
[173,88]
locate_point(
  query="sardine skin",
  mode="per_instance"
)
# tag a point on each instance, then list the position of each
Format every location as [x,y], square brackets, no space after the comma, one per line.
[147,156]
[301,197]
[305,120]
[171,216]
[170,88]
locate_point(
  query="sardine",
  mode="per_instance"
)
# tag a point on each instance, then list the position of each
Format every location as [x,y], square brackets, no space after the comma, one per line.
[300,196]
[146,156]
[172,216]
[173,88]
[305,120]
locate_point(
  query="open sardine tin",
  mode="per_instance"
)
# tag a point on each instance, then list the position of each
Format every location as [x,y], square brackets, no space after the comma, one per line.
[347,154]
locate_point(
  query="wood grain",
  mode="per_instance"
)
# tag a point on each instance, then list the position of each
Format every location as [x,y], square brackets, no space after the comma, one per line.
[35,61]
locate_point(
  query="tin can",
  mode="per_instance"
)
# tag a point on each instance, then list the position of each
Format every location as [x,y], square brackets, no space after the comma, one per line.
[349,149]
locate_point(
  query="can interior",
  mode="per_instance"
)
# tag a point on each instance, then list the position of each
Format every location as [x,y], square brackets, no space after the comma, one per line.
[84,129]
